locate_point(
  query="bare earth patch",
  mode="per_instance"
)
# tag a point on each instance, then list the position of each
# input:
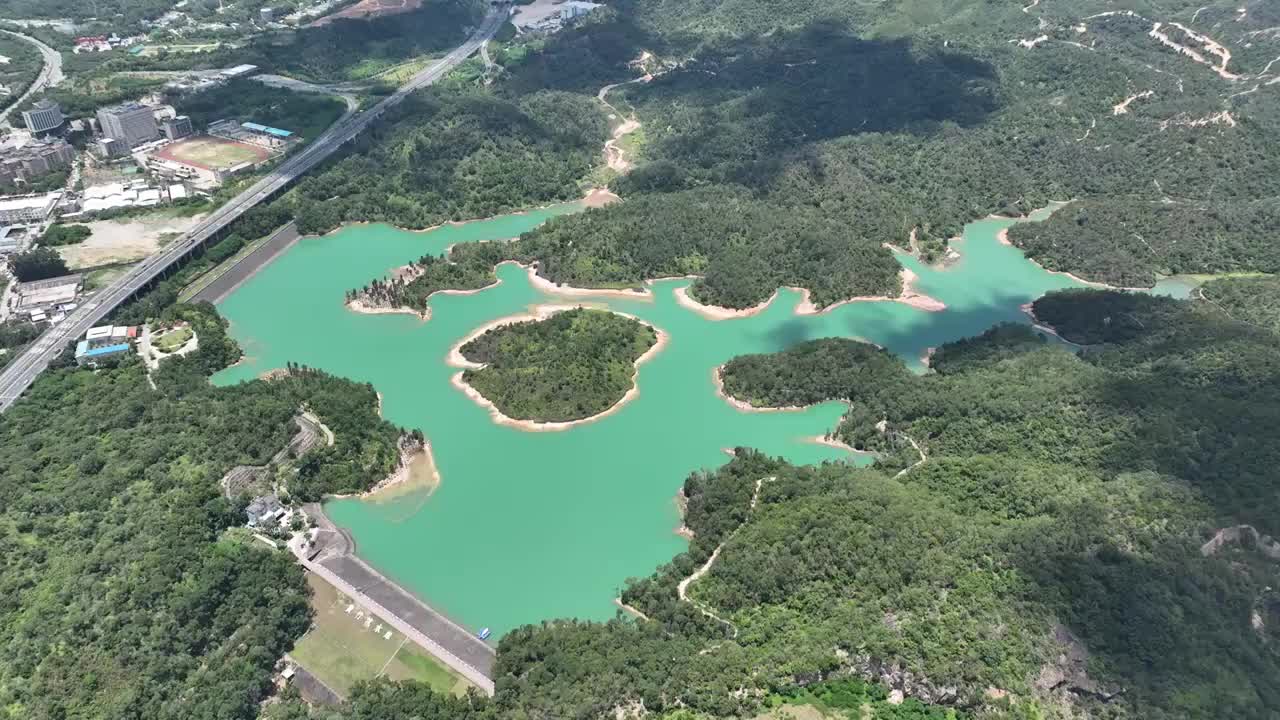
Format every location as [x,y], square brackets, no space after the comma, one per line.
[125,240]
[368,9]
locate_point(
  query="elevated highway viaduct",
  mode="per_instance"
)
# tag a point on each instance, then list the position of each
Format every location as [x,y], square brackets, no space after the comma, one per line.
[23,370]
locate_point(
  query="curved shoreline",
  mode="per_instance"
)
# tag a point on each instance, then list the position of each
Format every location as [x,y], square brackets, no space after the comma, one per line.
[360,306]
[806,306]
[455,358]
[716,312]
[1003,238]
[828,440]
[832,442]
[909,297]
[718,381]
[549,287]
[1038,324]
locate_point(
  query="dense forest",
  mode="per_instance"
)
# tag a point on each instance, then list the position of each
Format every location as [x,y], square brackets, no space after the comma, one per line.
[1129,242]
[122,597]
[570,366]
[457,153]
[39,263]
[1098,475]
[1029,542]
[741,250]
[752,124]
[1253,300]
[412,286]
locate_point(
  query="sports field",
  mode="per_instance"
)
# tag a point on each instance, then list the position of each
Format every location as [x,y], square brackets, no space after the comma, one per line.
[347,645]
[212,153]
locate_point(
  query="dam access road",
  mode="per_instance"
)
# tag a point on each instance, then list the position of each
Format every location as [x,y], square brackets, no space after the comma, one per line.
[24,369]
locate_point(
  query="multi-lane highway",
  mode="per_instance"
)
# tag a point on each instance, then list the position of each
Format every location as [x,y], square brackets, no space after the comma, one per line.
[24,369]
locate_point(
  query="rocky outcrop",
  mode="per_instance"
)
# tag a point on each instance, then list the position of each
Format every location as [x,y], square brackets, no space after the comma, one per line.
[904,683]
[1067,673]
[1239,534]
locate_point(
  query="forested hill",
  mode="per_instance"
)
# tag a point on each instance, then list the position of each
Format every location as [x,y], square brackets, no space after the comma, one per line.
[1047,559]
[1102,474]
[829,129]
[121,593]
[570,366]
[899,115]
[1253,300]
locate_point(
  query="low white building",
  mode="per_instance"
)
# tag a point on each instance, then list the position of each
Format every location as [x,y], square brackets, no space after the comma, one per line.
[27,208]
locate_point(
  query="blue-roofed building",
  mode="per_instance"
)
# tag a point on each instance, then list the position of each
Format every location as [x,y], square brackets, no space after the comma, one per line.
[266,130]
[92,356]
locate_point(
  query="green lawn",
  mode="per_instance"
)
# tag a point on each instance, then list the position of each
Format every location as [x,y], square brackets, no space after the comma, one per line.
[102,277]
[340,650]
[173,339]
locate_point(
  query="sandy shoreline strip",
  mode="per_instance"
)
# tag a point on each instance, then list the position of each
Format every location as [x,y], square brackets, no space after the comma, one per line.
[548,287]
[742,405]
[910,296]
[715,312]
[633,612]
[403,473]
[682,507]
[360,306]
[542,312]
[832,442]
[1003,238]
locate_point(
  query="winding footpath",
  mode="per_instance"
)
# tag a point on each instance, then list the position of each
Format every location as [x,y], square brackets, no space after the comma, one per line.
[682,590]
[615,156]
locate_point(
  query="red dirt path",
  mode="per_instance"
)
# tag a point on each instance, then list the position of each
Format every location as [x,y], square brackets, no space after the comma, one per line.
[369,9]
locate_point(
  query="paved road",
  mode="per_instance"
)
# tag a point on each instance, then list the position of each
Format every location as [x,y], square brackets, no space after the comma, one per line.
[50,74]
[24,369]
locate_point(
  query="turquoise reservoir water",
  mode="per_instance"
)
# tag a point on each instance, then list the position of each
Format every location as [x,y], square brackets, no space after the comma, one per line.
[530,526]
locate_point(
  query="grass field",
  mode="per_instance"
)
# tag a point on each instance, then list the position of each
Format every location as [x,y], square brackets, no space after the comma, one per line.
[173,339]
[213,153]
[340,649]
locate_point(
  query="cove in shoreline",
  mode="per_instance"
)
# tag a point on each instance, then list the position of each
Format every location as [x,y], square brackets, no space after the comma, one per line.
[536,525]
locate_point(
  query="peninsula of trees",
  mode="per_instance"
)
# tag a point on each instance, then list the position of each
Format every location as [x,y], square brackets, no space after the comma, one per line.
[1253,300]
[1128,243]
[571,366]
[412,286]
